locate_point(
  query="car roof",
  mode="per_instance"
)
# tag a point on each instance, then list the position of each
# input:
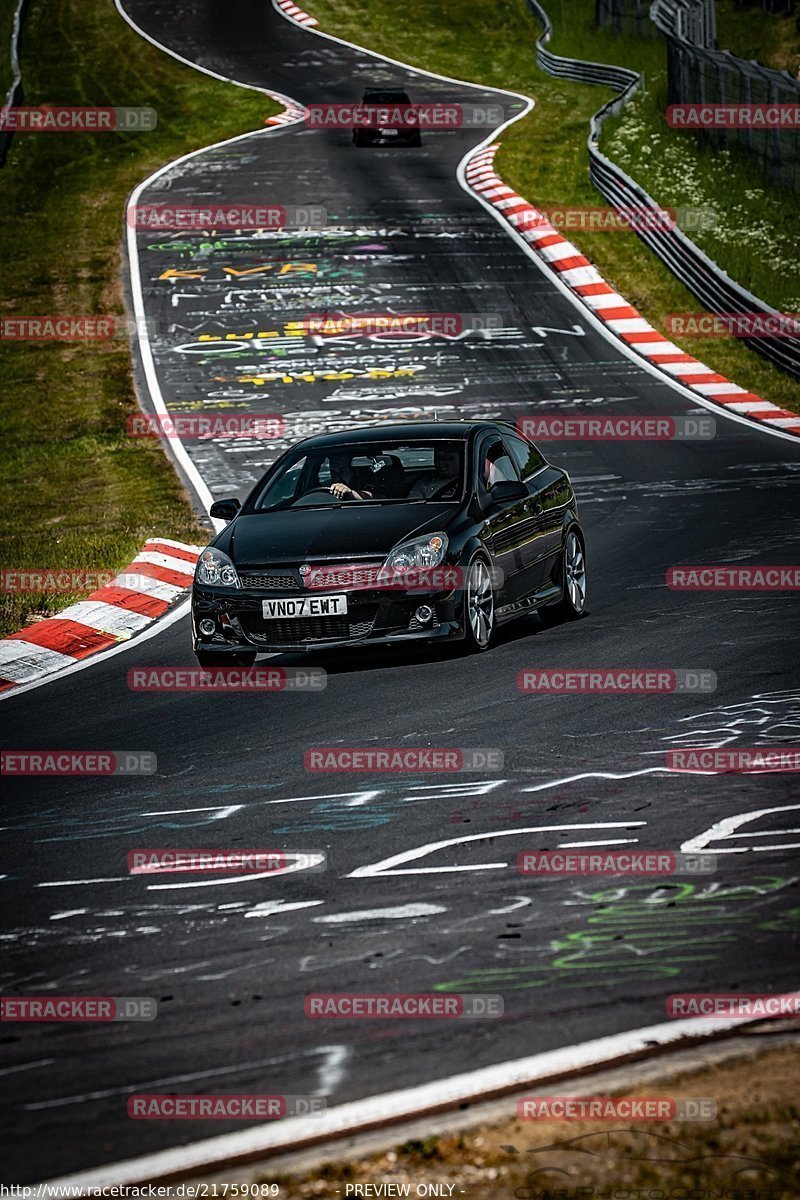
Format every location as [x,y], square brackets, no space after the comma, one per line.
[411,431]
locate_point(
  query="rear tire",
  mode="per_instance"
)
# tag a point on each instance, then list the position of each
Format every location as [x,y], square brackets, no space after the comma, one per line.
[572,604]
[209,658]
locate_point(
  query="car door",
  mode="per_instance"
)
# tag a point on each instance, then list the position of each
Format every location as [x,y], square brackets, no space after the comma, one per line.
[504,521]
[542,528]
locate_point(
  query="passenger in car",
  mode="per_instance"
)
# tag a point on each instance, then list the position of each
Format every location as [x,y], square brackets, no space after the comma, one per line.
[389,478]
[444,484]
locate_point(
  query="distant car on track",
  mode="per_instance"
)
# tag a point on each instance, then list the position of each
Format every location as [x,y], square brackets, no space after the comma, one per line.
[420,531]
[380,129]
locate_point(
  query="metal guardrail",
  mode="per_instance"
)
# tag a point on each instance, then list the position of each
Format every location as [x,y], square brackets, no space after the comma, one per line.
[14,95]
[699,74]
[694,21]
[701,275]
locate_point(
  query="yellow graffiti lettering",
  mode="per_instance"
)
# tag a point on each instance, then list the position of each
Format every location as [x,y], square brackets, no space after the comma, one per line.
[311,377]
[173,274]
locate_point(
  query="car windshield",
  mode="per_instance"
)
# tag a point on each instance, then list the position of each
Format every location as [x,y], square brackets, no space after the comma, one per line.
[385,472]
[384,97]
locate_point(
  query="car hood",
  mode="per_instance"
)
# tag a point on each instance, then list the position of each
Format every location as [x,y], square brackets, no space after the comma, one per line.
[327,534]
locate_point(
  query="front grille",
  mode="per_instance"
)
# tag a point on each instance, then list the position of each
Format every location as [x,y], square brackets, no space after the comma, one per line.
[360,628]
[270,583]
[296,631]
[415,624]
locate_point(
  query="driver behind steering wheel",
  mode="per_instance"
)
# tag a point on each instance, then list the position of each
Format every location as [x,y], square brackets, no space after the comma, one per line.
[343,476]
[446,470]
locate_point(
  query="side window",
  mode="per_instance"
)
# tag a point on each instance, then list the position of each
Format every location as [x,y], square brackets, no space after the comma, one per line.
[495,464]
[526,456]
[324,476]
[283,489]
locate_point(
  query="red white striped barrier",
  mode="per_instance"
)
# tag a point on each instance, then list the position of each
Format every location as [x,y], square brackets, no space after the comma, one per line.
[614,310]
[157,578]
[297,14]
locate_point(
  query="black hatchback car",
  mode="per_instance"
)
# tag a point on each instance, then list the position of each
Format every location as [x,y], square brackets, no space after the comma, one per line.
[386,535]
[385,121]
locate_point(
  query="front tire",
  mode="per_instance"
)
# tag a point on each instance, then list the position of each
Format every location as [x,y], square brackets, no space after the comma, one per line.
[572,604]
[209,658]
[479,607]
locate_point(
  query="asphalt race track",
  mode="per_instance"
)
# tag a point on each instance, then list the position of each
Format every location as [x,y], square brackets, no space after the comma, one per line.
[230,960]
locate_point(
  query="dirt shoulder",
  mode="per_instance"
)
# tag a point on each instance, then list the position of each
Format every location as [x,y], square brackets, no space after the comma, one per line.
[749,1151]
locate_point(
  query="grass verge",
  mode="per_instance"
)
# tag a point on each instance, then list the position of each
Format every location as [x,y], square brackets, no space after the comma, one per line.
[771,38]
[75,491]
[544,156]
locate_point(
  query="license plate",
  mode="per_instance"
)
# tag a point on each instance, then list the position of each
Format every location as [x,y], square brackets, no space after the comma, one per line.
[304,606]
[390,132]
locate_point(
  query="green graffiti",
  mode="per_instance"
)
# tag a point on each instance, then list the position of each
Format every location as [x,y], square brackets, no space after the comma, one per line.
[641,931]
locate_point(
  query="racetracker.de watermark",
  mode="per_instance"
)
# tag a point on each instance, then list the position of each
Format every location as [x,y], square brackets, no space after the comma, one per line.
[616,1108]
[224,215]
[355,577]
[733,116]
[78,1009]
[61,327]
[42,580]
[732,1004]
[615,220]
[615,681]
[340,759]
[235,1106]
[403,1006]
[732,324]
[747,760]
[409,324]
[227,679]
[733,577]
[614,862]
[51,118]
[411,117]
[206,425]
[78,762]
[53,579]
[244,862]
[564,427]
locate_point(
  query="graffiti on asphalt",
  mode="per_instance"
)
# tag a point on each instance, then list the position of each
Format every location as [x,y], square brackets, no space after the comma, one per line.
[643,931]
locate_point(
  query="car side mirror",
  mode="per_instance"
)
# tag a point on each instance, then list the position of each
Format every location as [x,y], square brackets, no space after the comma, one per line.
[508,489]
[226,510]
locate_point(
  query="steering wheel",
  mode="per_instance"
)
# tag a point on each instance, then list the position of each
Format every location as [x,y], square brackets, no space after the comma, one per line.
[301,500]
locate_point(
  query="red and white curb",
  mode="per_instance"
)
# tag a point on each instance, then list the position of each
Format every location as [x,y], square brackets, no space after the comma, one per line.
[292,113]
[609,306]
[297,14]
[157,578]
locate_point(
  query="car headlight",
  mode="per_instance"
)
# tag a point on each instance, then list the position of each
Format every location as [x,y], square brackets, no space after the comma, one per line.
[421,552]
[216,569]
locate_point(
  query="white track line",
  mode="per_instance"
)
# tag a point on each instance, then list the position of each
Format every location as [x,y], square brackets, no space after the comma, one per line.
[148,364]
[392,1107]
[145,348]
[595,322]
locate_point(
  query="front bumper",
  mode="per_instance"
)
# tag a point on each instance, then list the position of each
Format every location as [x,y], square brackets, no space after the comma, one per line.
[377,136]
[373,618]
